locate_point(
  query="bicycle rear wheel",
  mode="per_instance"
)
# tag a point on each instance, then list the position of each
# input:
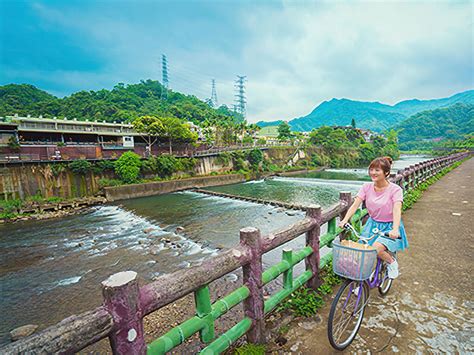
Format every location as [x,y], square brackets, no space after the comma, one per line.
[347,312]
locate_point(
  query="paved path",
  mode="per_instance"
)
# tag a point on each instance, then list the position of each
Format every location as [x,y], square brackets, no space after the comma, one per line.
[430,306]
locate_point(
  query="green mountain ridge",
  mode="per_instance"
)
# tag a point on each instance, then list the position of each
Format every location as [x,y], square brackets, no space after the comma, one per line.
[370,115]
[121,104]
[419,131]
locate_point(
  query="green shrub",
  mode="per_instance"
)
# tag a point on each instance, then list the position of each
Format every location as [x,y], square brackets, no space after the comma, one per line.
[109,182]
[10,208]
[80,167]
[103,165]
[255,157]
[223,158]
[166,165]
[57,168]
[304,302]
[250,349]
[127,167]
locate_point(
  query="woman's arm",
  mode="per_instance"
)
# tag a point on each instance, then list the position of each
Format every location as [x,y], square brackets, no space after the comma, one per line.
[397,216]
[351,211]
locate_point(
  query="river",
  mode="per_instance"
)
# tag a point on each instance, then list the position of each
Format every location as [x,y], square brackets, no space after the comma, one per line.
[51,269]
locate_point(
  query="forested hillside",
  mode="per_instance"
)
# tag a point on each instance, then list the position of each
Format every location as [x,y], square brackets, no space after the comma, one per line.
[370,115]
[122,104]
[421,129]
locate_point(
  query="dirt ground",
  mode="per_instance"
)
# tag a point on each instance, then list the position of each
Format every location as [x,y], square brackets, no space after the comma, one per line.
[429,308]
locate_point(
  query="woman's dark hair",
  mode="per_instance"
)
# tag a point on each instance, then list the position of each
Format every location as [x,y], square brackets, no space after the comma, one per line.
[384,163]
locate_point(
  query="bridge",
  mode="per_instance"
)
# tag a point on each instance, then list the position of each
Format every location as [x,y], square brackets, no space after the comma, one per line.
[125,304]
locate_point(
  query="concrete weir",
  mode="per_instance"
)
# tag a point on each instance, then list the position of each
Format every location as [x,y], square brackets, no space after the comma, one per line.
[289,206]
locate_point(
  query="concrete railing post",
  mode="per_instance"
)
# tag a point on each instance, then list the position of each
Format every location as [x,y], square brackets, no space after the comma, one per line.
[120,293]
[417,174]
[312,240]
[252,278]
[345,198]
[412,177]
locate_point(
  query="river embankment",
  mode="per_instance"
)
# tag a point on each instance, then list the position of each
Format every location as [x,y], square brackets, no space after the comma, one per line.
[124,192]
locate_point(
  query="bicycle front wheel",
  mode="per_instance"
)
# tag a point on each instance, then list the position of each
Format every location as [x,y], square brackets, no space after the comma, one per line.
[347,312]
[385,281]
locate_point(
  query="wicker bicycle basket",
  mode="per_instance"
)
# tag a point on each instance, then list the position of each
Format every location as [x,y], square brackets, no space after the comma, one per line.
[352,260]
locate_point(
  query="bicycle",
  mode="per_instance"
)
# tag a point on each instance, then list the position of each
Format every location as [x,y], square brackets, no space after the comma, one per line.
[357,266]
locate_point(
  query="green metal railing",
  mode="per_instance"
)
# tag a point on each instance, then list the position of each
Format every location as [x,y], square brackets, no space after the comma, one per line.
[207,313]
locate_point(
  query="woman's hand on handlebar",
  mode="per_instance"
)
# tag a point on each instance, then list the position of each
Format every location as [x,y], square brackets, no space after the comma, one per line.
[394,234]
[342,224]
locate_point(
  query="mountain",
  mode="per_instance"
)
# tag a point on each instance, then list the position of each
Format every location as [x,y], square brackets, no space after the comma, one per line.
[451,122]
[410,107]
[121,104]
[263,124]
[372,115]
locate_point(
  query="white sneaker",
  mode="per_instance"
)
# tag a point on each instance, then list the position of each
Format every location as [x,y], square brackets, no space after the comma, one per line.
[393,269]
[356,291]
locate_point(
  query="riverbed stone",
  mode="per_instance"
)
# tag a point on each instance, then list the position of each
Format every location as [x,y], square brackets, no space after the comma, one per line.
[148,230]
[23,331]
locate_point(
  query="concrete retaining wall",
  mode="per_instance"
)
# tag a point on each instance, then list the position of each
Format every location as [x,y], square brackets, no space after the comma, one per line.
[163,187]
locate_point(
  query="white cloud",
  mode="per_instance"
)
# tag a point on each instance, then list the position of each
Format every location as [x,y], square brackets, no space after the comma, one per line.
[302,55]
[295,55]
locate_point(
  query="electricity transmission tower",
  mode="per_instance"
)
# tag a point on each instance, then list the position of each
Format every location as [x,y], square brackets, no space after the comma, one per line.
[239,97]
[164,76]
[214,94]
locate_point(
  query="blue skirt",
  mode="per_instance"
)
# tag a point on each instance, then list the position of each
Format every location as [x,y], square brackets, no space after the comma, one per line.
[393,245]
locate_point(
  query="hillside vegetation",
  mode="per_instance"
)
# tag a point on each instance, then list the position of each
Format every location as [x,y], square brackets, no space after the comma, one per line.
[450,123]
[123,103]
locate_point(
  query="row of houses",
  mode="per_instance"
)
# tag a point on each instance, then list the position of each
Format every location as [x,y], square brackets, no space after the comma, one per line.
[43,138]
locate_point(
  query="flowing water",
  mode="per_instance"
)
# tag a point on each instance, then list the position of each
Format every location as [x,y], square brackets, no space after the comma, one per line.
[51,269]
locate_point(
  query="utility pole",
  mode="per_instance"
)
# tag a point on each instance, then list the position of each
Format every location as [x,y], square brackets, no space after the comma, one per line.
[239,96]
[164,76]
[214,101]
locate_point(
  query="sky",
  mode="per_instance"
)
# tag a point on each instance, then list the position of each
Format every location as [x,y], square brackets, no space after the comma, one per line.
[295,54]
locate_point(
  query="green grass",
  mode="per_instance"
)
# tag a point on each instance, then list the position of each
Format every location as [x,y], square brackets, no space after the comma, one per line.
[269,131]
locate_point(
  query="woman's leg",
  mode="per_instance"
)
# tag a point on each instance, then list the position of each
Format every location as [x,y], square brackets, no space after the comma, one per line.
[382,253]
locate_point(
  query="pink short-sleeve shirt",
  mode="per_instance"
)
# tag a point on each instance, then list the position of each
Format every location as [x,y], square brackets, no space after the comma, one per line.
[380,204]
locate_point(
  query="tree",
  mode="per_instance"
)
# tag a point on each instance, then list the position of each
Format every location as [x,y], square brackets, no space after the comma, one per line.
[353,123]
[284,131]
[152,128]
[128,167]
[174,130]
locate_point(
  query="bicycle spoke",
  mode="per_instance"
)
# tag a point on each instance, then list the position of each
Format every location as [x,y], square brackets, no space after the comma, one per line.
[338,332]
[348,313]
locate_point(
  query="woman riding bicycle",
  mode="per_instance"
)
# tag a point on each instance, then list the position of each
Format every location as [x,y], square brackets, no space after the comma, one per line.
[383,200]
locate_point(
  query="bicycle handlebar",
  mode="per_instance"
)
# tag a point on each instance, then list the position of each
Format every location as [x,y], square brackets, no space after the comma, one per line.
[375,232]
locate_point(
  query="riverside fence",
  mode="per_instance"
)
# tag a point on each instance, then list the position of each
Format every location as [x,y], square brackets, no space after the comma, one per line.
[120,318]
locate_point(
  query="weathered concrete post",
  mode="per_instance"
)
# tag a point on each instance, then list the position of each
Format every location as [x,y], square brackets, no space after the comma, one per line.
[120,293]
[416,174]
[312,240]
[401,182]
[346,199]
[423,172]
[252,278]
[412,177]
